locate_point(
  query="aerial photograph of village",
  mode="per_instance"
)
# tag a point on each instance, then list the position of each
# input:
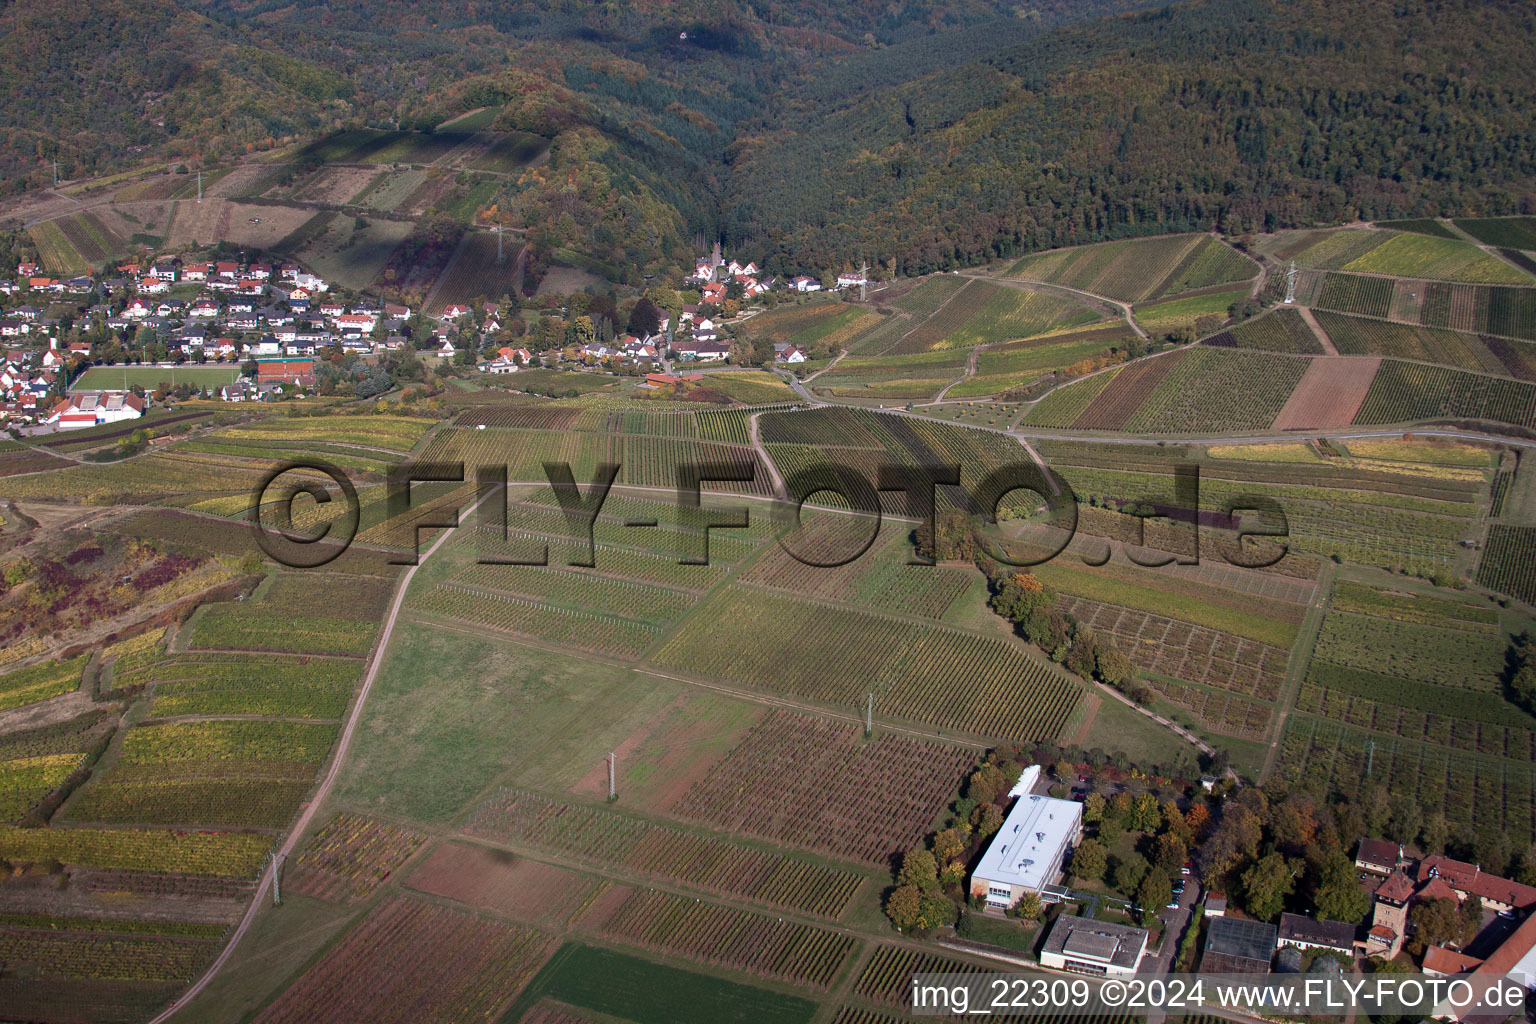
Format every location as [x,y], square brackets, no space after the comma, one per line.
[767,511]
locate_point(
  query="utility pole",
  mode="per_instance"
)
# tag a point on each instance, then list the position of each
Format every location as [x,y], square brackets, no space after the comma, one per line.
[869,715]
[199,185]
[55,172]
[863,279]
[1290,284]
[277,867]
[1370,758]
[612,757]
[499,258]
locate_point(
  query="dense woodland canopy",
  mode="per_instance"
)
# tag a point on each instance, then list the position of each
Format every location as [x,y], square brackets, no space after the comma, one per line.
[921,135]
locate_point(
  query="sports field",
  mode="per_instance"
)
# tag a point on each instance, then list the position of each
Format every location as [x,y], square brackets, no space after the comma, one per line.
[107,378]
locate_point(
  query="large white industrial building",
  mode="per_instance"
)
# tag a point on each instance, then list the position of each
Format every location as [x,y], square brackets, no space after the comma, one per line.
[1027,852]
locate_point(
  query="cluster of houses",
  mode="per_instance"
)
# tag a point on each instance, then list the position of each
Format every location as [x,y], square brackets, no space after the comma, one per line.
[280,316]
[24,387]
[714,273]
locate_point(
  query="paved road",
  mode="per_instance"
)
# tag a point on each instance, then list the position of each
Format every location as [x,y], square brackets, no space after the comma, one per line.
[325,784]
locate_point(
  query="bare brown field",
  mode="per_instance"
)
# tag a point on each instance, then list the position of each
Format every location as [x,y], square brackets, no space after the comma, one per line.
[525,890]
[220,220]
[1330,393]
[334,185]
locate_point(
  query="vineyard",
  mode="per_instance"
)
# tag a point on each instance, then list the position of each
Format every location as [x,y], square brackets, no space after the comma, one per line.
[810,783]
[1471,790]
[25,781]
[1483,309]
[927,297]
[1201,312]
[816,441]
[1062,406]
[953,680]
[1513,232]
[1181,650]
[887,978]
[931,332]
[985,314]
[392,433]
[801,954]
[1213,390]
[1402,392]
[1139,269]
[609,839]
[350,858]
[569,627]
[647,992]
[1283,330]
[378,971]
[250,774]
[1419,254]
[253,628]
[1329,394]
[474,271]
[83,955]
[235,684]
[646,461]
[158,850]
[1013,365]
[879,580]
[1120,397]
[40,682]
[1508,564]
[1358,336]
[1353,293]
[910,376]
[54,249]
[576,589]
[1421,677]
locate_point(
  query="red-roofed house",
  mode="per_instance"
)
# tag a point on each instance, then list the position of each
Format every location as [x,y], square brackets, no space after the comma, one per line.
[1468,879]
[1441,962]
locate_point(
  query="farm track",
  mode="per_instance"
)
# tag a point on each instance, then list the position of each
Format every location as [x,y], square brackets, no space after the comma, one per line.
[1317,329]
[762,452]
[1296,670]
[967,373]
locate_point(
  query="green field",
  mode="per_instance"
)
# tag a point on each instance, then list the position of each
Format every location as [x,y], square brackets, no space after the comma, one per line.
[629,988]
[150,378]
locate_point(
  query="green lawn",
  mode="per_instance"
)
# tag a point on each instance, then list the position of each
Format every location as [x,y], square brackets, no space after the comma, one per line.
[106,378]
[451,714]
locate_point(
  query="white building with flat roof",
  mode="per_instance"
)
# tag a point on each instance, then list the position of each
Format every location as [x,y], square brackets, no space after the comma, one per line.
[1028,850]
[1093,947]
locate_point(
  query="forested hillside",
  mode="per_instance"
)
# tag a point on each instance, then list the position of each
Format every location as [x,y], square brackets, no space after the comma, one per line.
[922,135]
[1227,113]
